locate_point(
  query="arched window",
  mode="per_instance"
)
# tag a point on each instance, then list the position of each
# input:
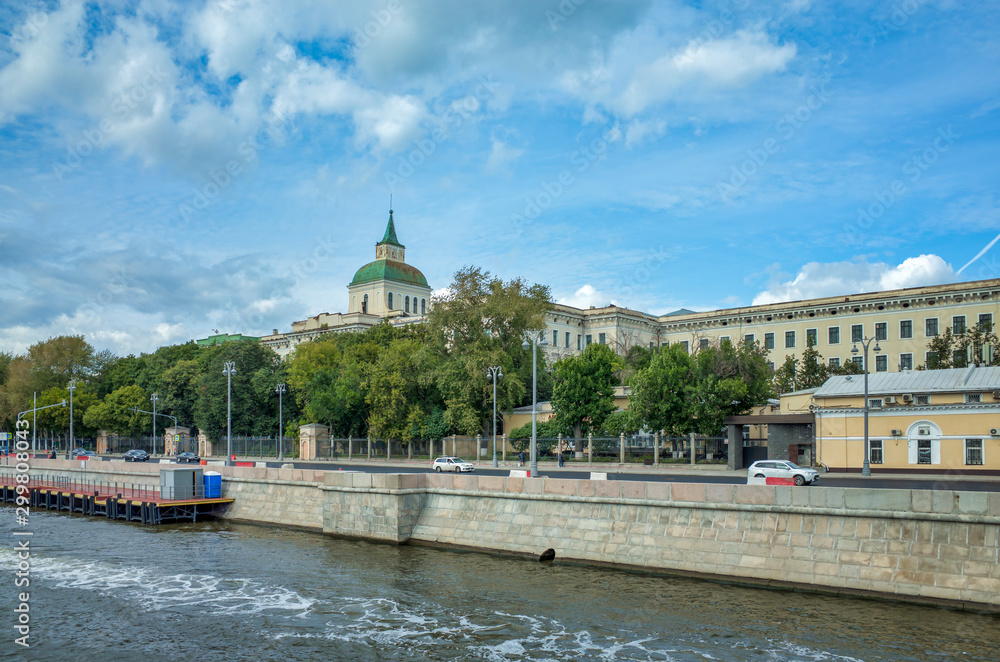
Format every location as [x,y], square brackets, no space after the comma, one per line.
[390,300]
[364,304]
[407,308]
[423,306]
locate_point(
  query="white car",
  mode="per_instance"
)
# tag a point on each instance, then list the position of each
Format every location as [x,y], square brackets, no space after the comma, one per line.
[452,464]
[782,469]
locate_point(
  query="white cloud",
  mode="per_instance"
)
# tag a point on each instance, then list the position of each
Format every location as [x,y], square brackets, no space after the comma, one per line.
[819,279]
[733,61]
[587,296]
[501,155]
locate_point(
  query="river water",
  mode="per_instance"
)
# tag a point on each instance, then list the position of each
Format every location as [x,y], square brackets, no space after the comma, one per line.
[104,590]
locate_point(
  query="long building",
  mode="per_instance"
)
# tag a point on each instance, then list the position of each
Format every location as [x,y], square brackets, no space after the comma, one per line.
[903,321]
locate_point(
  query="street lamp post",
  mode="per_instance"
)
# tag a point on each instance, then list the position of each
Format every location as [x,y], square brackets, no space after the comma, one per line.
[154,399]
[34,413]
[866,469]
[71,387]
[229,370]
[494,372]
[533,345]
[281,430]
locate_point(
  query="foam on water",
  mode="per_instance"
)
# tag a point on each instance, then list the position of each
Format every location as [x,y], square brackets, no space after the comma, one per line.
[155,590]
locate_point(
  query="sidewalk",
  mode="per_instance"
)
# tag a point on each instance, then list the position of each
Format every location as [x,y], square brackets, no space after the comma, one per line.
[664,468]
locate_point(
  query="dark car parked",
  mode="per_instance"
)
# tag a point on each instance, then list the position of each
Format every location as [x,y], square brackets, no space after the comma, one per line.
[187,456]
[136,455]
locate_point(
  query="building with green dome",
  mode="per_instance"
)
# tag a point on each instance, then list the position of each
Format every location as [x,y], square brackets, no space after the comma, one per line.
[386,289]
[389,287]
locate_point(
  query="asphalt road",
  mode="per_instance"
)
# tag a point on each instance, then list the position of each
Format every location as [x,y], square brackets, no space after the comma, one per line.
[733,478]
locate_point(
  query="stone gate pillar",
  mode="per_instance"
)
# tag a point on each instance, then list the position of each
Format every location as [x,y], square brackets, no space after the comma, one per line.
[309,438]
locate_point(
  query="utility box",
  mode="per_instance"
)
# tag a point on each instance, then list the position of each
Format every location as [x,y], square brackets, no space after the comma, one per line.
[178,482]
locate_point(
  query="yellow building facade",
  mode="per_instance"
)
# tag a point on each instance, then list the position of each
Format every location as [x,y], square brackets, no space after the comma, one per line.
[933,421]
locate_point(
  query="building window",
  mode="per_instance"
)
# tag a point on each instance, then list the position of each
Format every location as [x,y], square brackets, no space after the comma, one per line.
[748,338]
[973,398]
[959,359]
[931,327]
[768,341]
[364,304]
[859,360]
[724,339]
[770,365]
[973,451]
[906,361]
[602,338]
[579,342]
[922,399]
[589,339]
[929,357]
[390,300]
[789,339]
[811,338]
[881,363]
[555,338]
[834,362]
[703,343]
[986,321]
[958,325]
[423,306]
[684,346]
[857,332]
[567,340]
[875,451]
[905,329]
[874,403]
[881,331]
[833,335]
[923,451]
[407,304]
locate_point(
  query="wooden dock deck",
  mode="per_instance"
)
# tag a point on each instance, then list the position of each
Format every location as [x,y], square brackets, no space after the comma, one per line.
[129,503]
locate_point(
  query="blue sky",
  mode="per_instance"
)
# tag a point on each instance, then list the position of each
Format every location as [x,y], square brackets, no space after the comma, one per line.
[170,168]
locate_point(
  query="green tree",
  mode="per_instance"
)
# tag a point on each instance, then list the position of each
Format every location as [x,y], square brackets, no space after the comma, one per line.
[584,391]
[392,392]
[481,322]
[115,413]
[178,391]
[977,345]
[251,407]
[620,422]
[57,418]
[941,351]
[660,392]
[57,360]
[784,376]
[812,371]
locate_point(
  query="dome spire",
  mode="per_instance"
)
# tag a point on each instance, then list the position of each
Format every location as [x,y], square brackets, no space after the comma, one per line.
[390,233]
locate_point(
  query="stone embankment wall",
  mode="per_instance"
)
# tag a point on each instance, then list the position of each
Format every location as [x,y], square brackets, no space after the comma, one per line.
[939,546]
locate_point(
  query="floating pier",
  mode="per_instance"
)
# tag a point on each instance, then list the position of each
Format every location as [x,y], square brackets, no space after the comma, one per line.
[119,501]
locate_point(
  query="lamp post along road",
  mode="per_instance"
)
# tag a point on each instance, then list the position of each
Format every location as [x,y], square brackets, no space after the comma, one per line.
[866,469]
[34,413]
[494,372]
[533,345]
[154,399]
[71,387]
[229,370]
[281,430]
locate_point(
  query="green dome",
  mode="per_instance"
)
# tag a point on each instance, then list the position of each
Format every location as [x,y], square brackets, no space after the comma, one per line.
[398,272]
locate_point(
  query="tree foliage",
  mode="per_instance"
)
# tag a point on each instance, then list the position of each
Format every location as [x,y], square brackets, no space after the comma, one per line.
[583,396]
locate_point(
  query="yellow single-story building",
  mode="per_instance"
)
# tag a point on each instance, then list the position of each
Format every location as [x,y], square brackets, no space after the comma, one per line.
[933,421]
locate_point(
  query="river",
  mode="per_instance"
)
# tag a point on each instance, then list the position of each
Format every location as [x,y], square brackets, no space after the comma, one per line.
[106,590]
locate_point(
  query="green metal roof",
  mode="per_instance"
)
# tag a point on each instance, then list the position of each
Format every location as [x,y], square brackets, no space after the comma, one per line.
[390,234]
[399,272]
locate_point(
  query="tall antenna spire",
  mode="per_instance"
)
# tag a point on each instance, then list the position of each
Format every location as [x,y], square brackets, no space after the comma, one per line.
[390,204]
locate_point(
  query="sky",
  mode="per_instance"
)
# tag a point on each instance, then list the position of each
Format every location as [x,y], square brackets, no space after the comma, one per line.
[172,168]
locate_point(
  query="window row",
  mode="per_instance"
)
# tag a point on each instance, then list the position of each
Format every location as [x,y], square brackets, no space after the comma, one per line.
[927,451]
[406,303]
[881,331]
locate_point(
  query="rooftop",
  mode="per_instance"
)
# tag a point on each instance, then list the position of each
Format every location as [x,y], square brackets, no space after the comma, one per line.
[914,381]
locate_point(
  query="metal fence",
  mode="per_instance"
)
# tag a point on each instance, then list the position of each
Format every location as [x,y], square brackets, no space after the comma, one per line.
[260,447]
[361,448]
[638,449]
[103,488]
